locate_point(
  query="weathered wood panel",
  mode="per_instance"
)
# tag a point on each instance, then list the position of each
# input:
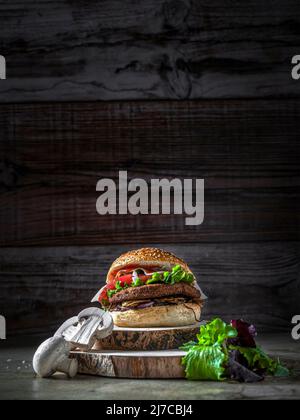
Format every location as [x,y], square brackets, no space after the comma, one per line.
[53,155]
[175,49]
[41,287]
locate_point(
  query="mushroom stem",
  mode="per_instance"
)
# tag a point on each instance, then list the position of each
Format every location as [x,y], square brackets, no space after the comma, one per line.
[53,356]
[68,366]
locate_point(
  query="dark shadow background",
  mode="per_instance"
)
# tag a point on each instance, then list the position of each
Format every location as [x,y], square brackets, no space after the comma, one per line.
[160,88]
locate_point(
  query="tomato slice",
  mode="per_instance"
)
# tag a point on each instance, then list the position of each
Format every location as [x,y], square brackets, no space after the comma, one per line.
[128,279]
[124,280]
[103,295]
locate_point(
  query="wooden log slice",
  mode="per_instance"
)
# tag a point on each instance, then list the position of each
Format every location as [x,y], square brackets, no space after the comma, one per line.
[132,365]
[148,339]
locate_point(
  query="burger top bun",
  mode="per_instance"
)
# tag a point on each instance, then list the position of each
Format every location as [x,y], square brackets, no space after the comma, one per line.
[146,258]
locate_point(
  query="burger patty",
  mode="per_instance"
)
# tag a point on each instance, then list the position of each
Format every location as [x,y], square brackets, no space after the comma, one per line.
[151,303]
[153,291]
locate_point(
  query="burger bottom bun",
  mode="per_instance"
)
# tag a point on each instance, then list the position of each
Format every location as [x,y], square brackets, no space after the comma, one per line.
[159,316]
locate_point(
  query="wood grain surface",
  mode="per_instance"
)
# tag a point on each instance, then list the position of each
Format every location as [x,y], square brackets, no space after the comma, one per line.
[42,287]
[147,339]
[134,365]
[70,50]
[207,93]
[53,155]
[152,364]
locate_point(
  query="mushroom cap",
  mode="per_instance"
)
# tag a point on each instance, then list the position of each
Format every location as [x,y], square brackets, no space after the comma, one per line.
[48,356]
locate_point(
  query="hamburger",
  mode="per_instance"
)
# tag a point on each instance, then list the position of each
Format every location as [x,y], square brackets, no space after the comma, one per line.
[150,287]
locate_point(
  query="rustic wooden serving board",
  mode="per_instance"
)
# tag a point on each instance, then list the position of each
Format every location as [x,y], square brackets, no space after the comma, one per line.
[148,339]
[132,365]
[138,353]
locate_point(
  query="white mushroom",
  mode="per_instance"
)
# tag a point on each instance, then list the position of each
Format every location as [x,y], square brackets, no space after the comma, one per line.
[67,328]
[106,327]
[53,356]
[95,324]
[79,332]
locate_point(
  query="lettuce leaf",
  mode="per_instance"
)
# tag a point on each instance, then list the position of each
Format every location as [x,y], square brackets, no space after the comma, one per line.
[207,359]
[216,332]
[246,334]
[177,275]
[219,354]
[188,346]
[258,360]
[205,363]
[239,370]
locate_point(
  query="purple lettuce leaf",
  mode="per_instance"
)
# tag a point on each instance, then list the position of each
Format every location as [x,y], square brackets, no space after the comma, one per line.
[238,369]
[246,334]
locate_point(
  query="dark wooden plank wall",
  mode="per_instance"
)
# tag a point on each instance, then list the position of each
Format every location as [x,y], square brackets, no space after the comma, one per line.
[165,49]
[40,287]
[247,251]
[236,124]
[53,155]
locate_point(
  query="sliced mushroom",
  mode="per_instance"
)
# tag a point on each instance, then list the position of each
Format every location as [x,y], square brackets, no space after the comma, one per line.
[81,332]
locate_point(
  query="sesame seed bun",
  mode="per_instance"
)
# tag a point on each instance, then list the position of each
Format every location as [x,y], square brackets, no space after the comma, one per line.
[161,316]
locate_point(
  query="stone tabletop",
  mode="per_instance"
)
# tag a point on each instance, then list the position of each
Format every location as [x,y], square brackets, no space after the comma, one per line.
[17,380]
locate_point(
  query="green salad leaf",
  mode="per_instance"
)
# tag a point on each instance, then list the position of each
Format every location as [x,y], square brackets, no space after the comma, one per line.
[281,371]
[177,275]
[207,359]
[218,354]
[137,282]
[257,359]
[205,363]
[216,332]
[111,293]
